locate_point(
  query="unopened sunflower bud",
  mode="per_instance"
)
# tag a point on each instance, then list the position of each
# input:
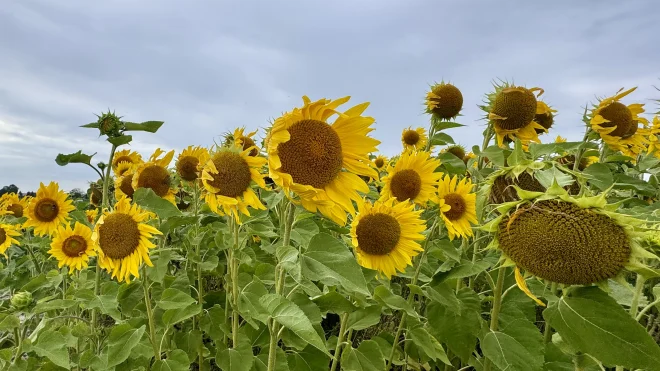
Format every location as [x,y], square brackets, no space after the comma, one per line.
[21,300]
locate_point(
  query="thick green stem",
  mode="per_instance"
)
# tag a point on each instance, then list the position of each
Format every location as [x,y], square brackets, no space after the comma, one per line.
[340,341]
[547,332]
[639,287]
[150,315]
[19,348]
[234,283]
[200,282]
[497,305]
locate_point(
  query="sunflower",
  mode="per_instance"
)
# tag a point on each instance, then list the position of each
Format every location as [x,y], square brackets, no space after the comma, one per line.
[72,247]
[560,139]
[246,141]
[7,234]
[91,215]
[458,206]
[125,155]
[48,209]
[155,175]
[456,150]
[14,204]
[618,124]
[124,186]
[386,234]
[123,239]
[469,156]
[572,241]
[654,143]
[413,139]
[124,168]
[512,110]
[95,193]
[190,162]
[500,185]
[545,116]
[413,178]
[227,179]
[444,101]
[307,156]
[380,163]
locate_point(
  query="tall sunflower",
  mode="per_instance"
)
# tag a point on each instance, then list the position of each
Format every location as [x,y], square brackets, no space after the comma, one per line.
[124,186]
[48,209]
[7,234]
[227,179]
[458,206]
[414,139]
[14,204]
[72,247]
[246,141]
[380,163]
[127,156]
[512,110]
[386,234]
[123,239]
[154,174]
[413,178]
[190,162]
[444,101]
[308,156]
[618,124]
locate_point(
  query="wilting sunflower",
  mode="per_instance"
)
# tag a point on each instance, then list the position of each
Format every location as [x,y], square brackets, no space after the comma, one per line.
[72,247]
[545,116]
[385,235]
[414,139]
[125,155]
[14,204]
[307,155]
[48,209]
[244,141]
[458,206]
[512,110]
[190,162]
[444,101]
[501,184]
[380,163]
[91,215]
[413,178]
[155,175]
[123,239]
[618,124]
[227,179]
[7,234]
[456,150]
[95,193]
[124,186]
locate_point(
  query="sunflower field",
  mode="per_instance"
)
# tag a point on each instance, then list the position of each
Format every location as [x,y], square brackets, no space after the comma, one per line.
[302,248]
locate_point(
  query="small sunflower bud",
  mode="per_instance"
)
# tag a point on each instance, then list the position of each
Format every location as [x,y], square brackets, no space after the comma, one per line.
[110,125]
[21,300]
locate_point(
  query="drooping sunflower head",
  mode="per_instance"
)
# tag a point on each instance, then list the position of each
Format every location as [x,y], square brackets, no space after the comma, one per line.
[413,178]
[124,186]
[48,209]
[618,124]
[321,162]
[444,101]
[456,150]
[154,174]
[95,193]
[414,139]
[511,111]
[91,215]
[458,206]
[385,235]
[190,162]
[545,116]
[13,204]
[7,234]
[502,184]
[573,241]
[227,179]
[380,163]
[131,158]
[72,247]
[245,141]
[123,239]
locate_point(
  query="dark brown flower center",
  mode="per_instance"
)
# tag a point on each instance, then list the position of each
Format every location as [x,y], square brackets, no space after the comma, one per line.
[406,185]
[16,210]
[119,235]
[450,102]
[46,210]
[313,155]
[247,143]
[126,186]
[517,106]
[378,234]
[411,137]
[379,162]
[155,177]
[119,159]
[187,168]
[3,236]
[233,177]
[74,246]
[619,116]
[458,206]
[544,119]
[457,151]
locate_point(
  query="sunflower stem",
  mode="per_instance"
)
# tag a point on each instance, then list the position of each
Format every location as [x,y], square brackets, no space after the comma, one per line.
[234,284]
[340,341]
[150,314]
[547,331]
[497,305]
[639,288]
[200,283]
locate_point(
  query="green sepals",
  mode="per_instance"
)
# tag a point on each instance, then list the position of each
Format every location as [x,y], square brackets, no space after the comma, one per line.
[21,300]
[109,124]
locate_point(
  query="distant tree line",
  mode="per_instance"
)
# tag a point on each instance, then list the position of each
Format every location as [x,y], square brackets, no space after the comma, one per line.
[76,193]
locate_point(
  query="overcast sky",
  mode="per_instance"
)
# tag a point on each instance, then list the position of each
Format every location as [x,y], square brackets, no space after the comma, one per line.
[205,67]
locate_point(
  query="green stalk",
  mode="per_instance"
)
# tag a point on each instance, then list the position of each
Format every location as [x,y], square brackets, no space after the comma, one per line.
[340,341]
[19,348]
[639,287]
[234,283]
[547,332]
[200,284]
[497,305]
[150,315]
[280,276]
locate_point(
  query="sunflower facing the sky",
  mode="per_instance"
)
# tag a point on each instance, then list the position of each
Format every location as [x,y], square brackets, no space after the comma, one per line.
[123,239]
[444,101]
[72,247]
[131,159]
[154,174]
[14,204]
[458,206]
[190,161]
[244,141]
[322,162]
[380,163]
[386,234]
[618,124]
[49,209]
[414,139]
[413,178]
[7,234]
[227,179]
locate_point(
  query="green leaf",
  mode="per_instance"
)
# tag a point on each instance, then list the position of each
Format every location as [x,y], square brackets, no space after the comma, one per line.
[444,249]
[214,323]
[444,294]
[428,344]
[328,260]
[52,345]
[74,158]
[122,339]
[309,359]
[304,230]
[239,358]
[452,163]
[53,305]
[293,318]
[261,362]
[440,139]
[334,302]
[174,299]
[495,155]
[176,361]
[507,353]
[150,126]
[367,357]
[173,222]
[383,295]
[364,318]
[120,140]
[93,125]
[8,322]
[442,125]
[249,301]
[174,316]
[146,198]
[594,323]
[466,269]
[599,175]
